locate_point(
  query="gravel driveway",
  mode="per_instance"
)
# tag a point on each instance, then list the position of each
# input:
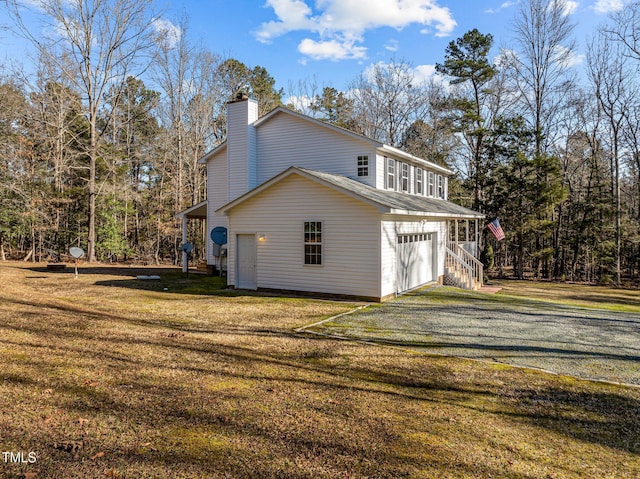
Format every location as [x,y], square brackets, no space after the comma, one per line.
[587,343]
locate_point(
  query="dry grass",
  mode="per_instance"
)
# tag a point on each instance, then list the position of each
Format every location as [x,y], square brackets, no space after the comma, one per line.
[105,376]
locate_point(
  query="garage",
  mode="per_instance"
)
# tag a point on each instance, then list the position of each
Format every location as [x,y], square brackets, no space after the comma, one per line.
[414,260]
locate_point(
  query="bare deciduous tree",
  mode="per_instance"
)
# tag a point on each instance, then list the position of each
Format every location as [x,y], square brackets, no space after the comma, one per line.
[103,42]
[388,99]
[541,64]
[609,76]
[626,28]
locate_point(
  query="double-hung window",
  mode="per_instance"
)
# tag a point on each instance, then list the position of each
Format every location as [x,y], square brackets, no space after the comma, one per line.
[440,186]
[404,184]
[363,165]
[390,177]
[419,189]
[313,242]
[432,190]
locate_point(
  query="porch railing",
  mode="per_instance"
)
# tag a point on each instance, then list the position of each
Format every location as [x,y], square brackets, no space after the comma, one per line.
[463,267]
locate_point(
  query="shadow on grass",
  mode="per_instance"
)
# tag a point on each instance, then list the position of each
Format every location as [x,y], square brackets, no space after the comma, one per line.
[602,418]
[115,270]
[434,346]
[176,282]
[617,299]
[135,404]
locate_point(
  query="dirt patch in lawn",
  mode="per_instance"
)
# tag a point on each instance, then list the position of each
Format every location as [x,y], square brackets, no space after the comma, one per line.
[105,379]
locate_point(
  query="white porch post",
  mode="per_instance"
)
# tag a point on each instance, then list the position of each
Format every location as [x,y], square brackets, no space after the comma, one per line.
[456,239]
[185,263]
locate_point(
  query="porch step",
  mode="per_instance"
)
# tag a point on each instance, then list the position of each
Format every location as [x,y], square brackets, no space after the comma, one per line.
[462,269]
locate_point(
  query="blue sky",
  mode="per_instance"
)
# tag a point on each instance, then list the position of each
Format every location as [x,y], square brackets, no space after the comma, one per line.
[332,41]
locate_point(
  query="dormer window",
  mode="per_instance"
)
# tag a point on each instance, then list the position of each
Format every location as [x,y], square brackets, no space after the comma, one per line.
[440,186]
[390,177]
[419,188]
[363,165]
[405,178]
[432,189]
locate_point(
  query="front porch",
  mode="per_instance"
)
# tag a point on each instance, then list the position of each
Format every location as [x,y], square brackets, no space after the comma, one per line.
[195,212]
[463,268]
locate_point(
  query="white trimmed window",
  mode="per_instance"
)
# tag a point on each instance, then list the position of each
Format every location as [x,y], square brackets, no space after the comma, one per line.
[313,242]
[363,165]
[432,189]
[404,183]
[390,177]
[440,186]
[419,188]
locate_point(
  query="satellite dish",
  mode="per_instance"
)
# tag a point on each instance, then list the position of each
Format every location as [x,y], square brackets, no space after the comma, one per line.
[219,235]
[187,248]
[76,252]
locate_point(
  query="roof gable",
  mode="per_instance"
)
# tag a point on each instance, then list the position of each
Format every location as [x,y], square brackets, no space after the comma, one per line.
[343,131]
[385,201]
[383,148]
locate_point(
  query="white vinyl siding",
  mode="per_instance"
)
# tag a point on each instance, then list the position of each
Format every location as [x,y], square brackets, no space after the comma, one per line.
[216,197]
[285,140]
[350,239]
[241,147]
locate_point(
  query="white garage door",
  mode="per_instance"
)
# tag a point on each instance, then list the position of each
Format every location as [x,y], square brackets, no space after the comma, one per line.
[414,260]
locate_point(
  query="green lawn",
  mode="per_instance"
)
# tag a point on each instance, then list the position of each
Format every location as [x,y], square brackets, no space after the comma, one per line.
[108,376]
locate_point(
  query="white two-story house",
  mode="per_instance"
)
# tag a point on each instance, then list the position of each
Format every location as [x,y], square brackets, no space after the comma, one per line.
[310,207]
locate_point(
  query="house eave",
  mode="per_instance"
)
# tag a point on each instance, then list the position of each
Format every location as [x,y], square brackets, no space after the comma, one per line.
[396,152]
[297,171]
[444,216]
[215,151]
[197,211]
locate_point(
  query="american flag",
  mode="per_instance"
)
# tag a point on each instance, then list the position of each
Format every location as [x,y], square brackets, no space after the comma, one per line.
[496,229]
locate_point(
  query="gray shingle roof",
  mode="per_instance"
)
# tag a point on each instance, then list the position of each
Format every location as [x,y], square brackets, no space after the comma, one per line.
[399,202]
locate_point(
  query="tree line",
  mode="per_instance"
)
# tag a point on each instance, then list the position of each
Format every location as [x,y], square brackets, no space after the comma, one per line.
[100,146]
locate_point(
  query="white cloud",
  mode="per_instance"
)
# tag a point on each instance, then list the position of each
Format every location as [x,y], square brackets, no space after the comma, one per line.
[505,57]
[565,57]
[301,103]
[420,74]
[503,6]
[424,73]
[292,14]
[341,25]
[168,33]
[608,6]
[570,7]
[568,58]
[332,49]
[392,45]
